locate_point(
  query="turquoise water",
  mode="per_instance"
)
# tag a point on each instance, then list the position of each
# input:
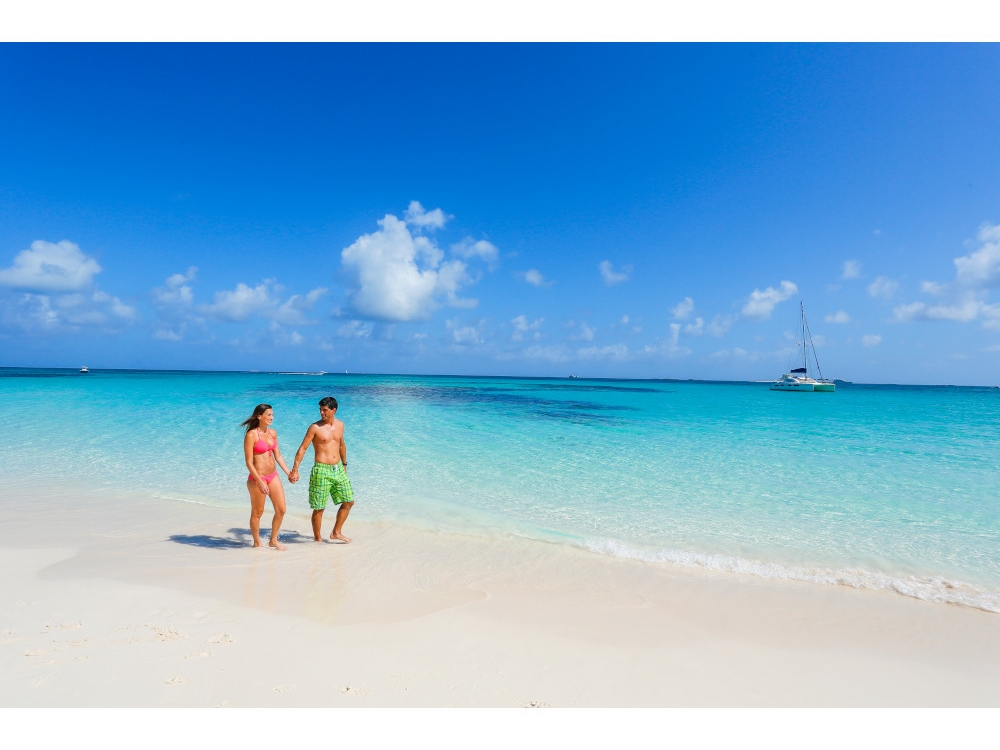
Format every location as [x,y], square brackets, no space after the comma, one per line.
[883,487]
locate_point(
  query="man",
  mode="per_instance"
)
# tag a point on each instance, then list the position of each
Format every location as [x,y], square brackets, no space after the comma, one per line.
[328,478]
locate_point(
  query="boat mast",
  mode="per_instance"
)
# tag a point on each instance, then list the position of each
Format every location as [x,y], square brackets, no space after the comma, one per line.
[805,331]
[802,313]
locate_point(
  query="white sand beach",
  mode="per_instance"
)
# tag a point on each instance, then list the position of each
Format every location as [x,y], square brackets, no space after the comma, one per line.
[145,602]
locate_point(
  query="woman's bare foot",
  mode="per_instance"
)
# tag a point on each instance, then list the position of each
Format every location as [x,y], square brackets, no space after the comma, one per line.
[256,543]
[275,544]
[341,537]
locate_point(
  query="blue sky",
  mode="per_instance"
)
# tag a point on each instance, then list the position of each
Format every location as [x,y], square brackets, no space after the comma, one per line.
[605,210]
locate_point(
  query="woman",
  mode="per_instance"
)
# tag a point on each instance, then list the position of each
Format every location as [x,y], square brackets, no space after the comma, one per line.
[260,448]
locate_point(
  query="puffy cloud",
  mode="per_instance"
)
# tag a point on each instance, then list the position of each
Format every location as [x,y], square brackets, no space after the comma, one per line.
[522,328]
[852,269]
[718,327]
[870,340]
[683,309]
[465,335]
[356,329]
[469,248]
[760,304]
[613,351]
[416,216]
[239,304]
[883,287]
[51,267]
[964,298]
[838,317]
[400,277]
[612,277]
[981,269]
[534,277]
[61,312]
[176,290]
[962,311]
[292,311]
[586,333]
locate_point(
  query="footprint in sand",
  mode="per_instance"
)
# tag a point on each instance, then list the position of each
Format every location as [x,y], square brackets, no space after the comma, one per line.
[351,690]
[166,634]
[70,626]
[222,638]
[175,681]
[199,655]
[537,704]
[283,688]
[37,652]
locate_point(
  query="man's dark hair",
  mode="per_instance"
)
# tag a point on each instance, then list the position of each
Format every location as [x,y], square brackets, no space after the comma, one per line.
[329,402]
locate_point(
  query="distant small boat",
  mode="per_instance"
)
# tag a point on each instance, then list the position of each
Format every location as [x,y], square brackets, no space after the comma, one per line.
[574,377]
[84,369]
[798,379]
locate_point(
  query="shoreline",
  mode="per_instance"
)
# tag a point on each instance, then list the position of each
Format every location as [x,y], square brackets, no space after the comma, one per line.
[150,603]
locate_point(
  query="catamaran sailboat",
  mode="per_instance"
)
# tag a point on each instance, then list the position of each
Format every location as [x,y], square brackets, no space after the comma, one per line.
[798,379]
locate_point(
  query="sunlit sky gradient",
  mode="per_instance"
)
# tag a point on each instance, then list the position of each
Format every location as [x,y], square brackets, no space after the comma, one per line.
[604,210]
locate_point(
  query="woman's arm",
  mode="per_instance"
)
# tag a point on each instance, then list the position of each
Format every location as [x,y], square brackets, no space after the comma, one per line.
[277,456]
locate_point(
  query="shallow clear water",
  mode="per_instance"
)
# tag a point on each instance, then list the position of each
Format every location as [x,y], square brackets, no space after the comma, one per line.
[873,486]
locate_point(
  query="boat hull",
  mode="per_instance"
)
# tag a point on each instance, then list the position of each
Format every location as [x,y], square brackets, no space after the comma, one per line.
[794,387]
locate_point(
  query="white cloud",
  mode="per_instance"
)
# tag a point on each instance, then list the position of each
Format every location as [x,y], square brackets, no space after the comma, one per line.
[760,304]
[522,328]
[292,311]
[838,317]
[465,335]
[168,334]
[683,309]
[612,277]
[239,304]
[852,269]
[176,290]
[883,287]
[534,277]
[50,267]
[613,351]
[469,248]
[870,340]
[966,309]
[356,329]
[416,216]
[61,312]
[981,269]
[400,277]
[586,333]
[718,326]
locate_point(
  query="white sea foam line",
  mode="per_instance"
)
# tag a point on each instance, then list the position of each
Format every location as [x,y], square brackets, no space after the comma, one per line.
[930,588]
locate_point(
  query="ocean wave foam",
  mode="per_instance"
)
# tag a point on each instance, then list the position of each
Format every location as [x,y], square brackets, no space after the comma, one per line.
[927,588]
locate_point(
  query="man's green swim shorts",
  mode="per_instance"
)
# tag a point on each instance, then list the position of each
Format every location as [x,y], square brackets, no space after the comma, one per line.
[329,481]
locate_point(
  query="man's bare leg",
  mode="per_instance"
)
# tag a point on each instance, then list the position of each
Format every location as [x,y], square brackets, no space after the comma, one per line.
[342,512]
[317,522]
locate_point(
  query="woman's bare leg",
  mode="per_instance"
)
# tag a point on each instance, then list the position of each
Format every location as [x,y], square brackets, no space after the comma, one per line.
[257,500]
[278,501]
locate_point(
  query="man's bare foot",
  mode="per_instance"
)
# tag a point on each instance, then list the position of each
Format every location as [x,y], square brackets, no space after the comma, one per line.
[341,537]
[257,543]
[276,545]
[318,539]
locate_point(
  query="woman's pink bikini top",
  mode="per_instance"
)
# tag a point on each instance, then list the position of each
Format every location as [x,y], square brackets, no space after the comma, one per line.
[262,446]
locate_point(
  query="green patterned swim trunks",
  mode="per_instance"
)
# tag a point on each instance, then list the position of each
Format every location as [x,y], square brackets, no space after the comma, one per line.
[329,481]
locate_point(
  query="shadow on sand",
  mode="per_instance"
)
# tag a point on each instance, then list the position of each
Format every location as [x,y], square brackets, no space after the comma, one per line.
[238,539]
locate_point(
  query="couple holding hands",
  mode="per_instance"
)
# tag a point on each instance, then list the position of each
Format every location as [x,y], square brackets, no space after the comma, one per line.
[327,480]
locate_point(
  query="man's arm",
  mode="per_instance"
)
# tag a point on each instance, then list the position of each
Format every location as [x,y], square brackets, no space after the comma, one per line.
[301,452]
[343,449]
